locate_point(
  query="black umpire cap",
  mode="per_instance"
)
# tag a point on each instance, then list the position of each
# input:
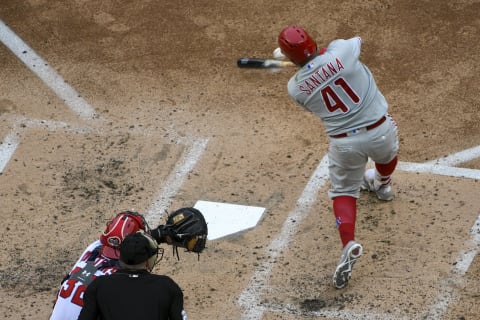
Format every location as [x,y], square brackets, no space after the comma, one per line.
[136,248]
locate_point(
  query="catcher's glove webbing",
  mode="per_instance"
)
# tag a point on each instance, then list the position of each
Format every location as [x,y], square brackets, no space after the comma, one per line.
[186,228]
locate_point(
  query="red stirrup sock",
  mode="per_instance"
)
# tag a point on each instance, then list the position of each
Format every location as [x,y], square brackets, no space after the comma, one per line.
[345,211]
[384,171]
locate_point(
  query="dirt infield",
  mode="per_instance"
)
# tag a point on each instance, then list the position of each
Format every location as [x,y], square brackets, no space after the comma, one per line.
[160,116]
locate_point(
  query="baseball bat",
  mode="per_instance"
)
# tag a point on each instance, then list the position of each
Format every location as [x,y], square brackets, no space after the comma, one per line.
[262,63]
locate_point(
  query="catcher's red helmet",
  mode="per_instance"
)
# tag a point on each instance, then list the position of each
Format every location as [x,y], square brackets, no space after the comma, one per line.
[124,224]
[297,44]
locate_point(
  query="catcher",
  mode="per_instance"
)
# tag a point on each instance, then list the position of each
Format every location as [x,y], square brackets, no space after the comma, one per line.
[133,292]
[185,228]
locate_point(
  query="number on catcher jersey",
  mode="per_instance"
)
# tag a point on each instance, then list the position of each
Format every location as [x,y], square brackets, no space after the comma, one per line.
[70,296]
[73,290]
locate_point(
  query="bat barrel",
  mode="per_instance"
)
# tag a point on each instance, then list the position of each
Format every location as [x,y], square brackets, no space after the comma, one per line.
[251,63]
[263,63]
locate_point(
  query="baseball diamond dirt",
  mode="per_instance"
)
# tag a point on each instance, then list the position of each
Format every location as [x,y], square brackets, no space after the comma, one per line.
[112,105]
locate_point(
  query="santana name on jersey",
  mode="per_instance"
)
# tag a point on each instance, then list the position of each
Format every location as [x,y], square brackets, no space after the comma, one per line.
[320,76]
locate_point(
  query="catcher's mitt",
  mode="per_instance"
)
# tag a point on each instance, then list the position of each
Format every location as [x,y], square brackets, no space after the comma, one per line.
[186,228]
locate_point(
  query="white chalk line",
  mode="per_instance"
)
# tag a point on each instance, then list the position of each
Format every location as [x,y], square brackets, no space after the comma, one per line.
[49,76]
[12,140]
[7,149]
[439,170]
[250,299]
[175,181]
[22,123]
[457,158]
[446,295]
[463,263]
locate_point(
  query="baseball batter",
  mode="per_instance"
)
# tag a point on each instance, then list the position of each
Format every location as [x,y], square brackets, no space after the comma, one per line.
[338,88]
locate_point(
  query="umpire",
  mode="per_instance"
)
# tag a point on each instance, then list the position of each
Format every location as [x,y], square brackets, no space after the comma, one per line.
[133,292]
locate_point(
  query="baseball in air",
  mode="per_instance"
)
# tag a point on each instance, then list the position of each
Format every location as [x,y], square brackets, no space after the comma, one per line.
[277,54]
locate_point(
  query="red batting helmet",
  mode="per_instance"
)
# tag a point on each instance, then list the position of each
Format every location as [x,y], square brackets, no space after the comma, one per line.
[124,224]
[297,44]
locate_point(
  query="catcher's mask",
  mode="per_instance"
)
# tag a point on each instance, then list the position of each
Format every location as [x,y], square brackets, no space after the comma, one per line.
[297,44]
[138,248]
[124,224]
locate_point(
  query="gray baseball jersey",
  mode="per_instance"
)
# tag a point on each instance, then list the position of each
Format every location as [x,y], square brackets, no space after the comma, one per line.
[341,90]
[338,88]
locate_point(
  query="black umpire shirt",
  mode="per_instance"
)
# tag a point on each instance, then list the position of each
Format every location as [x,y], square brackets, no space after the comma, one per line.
[132,294]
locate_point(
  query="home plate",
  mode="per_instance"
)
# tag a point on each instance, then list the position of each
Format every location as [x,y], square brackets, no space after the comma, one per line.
[224,219]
